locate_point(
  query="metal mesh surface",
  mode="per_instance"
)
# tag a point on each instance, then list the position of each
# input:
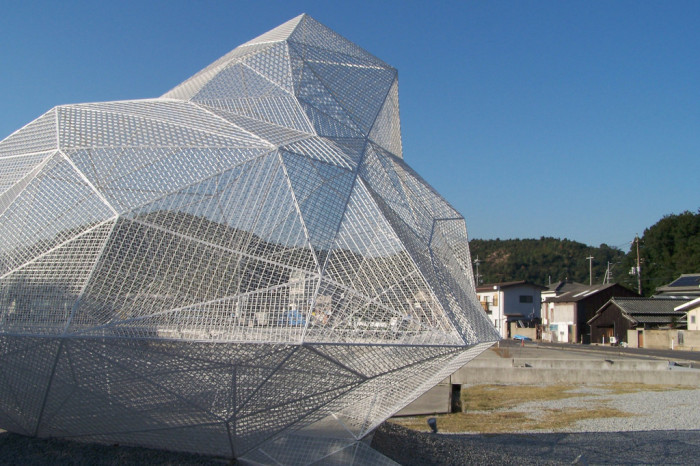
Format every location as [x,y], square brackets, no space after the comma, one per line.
[243,267]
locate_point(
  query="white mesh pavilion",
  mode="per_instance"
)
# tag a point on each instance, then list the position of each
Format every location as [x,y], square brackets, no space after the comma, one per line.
[242,267]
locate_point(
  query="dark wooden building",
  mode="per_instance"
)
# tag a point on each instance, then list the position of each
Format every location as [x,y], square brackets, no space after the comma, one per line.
[581,306]
[618,315]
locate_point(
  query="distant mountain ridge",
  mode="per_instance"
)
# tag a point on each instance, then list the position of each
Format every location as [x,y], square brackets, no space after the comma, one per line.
[667,249]
[541,261]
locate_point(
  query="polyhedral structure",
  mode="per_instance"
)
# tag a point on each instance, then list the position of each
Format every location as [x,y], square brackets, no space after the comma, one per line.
[243,267]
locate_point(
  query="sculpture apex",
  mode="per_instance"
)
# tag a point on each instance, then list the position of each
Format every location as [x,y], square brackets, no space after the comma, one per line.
[342,90]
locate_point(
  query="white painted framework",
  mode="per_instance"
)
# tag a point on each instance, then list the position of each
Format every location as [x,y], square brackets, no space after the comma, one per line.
[243,267]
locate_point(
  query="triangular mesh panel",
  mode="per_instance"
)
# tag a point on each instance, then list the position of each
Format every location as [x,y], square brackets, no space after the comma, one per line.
[190,87]
[56,205]
[368,257]
[37,136]
[321,192]
[238,81]
[344,80]
[21,171]
[258,116]
[311,32]
[104,125]
[271,65]
[386,131]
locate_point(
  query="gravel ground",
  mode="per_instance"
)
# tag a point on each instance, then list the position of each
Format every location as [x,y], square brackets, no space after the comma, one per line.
[666,430]
[667,410]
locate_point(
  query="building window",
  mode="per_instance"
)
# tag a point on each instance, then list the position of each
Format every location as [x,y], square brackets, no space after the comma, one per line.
[525,298]
[692,319]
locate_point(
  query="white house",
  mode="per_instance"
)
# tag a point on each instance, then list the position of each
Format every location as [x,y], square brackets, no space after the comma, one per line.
[507,302]
[692,311]
[558,322]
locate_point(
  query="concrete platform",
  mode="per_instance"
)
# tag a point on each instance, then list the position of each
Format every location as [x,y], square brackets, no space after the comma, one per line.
[531,364]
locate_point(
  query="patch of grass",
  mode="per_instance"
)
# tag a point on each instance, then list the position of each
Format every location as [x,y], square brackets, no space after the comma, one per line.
[622,388]
[559,418]
[494,422]
[493,408]
[497,422]
[491,397]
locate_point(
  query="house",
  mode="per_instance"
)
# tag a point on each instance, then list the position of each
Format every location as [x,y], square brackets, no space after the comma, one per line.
[692,313]
[506,302]
[686,286]
[618,315]
[554,329]
[554,290]
[568,313]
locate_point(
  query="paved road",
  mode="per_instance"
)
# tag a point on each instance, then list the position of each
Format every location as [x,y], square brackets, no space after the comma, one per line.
[687,358]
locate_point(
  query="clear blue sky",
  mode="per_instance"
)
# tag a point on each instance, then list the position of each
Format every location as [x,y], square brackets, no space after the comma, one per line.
[571,119]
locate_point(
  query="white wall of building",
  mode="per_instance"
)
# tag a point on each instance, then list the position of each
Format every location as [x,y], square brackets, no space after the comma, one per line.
[492,302]
[694,319]
[558,321]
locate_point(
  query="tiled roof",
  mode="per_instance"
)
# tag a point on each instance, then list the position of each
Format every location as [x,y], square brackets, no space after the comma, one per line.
[565,286]
[578,294]
[659,319]
[634,306]
[647,310]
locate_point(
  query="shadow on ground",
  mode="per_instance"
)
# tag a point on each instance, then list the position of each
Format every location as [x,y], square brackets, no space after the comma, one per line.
[405,447]
[19,449]
[653,447]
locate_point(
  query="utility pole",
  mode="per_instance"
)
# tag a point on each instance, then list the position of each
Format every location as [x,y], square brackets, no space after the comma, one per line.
[639,268]
[590,270]
[476,262]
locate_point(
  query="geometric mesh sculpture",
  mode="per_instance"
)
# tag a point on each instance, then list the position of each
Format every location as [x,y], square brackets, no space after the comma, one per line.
[243,267]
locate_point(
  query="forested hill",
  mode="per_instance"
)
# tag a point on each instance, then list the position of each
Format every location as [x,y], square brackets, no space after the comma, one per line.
[540,260]
[667,249]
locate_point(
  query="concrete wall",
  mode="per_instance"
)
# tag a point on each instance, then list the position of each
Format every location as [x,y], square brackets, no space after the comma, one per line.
[437,400]
[531,365]
[563,312]
[596,365]
[633,338]
[688,340]
[532,371]
[526,332]
[559,332]
[528,375]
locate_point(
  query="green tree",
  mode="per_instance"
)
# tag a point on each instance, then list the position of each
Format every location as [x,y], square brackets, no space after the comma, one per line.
[667,249]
